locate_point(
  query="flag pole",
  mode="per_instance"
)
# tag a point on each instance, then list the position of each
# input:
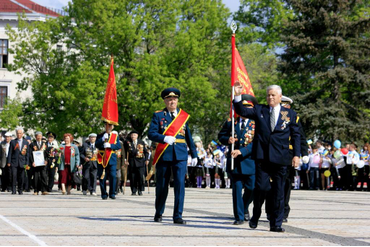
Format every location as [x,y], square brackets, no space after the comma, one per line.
[233,28]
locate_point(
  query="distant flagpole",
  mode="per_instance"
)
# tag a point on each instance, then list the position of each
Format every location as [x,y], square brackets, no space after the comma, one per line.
[233,77]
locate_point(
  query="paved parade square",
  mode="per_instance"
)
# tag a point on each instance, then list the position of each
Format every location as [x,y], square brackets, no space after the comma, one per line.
[317,218]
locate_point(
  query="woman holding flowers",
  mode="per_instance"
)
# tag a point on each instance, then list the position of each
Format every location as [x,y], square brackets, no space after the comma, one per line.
[69,163]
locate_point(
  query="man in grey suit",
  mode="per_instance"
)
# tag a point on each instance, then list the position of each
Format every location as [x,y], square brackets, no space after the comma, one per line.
[18,158]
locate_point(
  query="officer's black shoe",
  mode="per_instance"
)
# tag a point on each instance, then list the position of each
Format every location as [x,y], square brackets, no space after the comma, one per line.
[158,218]
[252,224]
[133,194]
[238,222]
[277,229]
[20,192]
[140,193]
[113,197]
[285,220]
[14,193]
[246,217]
[179,221]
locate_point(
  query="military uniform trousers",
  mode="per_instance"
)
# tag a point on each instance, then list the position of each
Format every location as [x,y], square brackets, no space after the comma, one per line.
[163,173]
[89,172]
[41,183]
[277,173]
[241,201]
[110,172]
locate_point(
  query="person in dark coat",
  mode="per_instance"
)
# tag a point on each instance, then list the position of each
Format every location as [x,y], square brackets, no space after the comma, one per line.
[41,184]
[89,161]
[243,174]
[138,159]
[276,129]
[18,159]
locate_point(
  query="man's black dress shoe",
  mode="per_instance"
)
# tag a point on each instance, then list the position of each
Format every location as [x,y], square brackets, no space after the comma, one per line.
[113,197]
[179,221]
[277,229]
[252,224]
[20,192]
[238,222]
[14,193]
[133,194]
[285,220]
[140,193]
[158,218]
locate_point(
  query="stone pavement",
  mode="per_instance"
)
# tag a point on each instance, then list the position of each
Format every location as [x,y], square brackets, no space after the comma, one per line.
[317,218]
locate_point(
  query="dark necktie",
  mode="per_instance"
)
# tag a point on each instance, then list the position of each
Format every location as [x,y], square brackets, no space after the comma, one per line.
[172,115]
[243,125]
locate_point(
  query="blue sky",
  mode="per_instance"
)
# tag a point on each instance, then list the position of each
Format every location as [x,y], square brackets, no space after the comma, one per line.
[233,5]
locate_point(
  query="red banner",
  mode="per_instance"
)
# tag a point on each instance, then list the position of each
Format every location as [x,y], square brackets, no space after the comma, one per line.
[110,106]
[238,70]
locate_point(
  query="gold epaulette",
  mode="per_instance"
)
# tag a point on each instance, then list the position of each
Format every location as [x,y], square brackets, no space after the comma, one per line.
[297,119]
[158,111]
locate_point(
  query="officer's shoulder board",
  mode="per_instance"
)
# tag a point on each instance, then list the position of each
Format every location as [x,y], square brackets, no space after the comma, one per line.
[297,119]
[158,111]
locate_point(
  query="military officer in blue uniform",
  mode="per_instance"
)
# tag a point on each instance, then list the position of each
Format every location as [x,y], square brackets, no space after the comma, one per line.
[110,171]
[243,174]
[276,128]
[174,157]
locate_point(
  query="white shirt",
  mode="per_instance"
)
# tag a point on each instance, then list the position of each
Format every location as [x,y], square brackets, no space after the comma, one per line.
[314,160]
[277,112]
[7,148]
[173,112]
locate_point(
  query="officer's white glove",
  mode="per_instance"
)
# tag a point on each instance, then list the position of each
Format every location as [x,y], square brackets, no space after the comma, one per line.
[305,159]
[106,145]
[194,161]
[105,136]
[169,139]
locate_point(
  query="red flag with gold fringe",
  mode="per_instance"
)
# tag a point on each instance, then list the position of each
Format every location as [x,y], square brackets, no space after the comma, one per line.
[110,106]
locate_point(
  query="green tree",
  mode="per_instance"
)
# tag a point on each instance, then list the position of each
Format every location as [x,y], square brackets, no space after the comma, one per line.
[155,44]
[326,67]
[11,113]
[262,21]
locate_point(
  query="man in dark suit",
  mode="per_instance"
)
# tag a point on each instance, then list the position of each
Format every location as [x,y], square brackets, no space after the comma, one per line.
[18,158]
[137,158]
[41,183]
[243,174]
[6,183]
[174,154]
[89,153]
[275,127]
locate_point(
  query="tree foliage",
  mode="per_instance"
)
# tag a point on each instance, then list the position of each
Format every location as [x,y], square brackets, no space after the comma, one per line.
[155,44]
[326,67]
[11,113]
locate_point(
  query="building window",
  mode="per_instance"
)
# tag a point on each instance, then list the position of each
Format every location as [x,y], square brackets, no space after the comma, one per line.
[3,52]
[3,95]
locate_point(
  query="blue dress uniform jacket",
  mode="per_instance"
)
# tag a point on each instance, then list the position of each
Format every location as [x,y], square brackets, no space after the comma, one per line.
[173,158]
[100,145]
[272,146]
[243,175]
[178,151]
[243,164]
[110,170]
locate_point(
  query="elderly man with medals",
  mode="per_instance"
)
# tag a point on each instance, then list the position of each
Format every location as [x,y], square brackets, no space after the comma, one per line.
[170,130]
[243,174]
[89,156]
[276,129]
[41,183]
